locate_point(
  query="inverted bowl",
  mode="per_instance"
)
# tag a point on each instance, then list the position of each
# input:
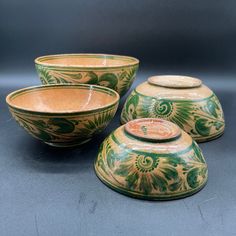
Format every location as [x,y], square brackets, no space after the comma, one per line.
[113,71]
[151,159]
[180,99]
[63,115]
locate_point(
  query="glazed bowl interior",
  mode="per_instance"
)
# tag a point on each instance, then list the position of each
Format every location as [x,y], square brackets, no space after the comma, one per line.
[62,98]
[86,60]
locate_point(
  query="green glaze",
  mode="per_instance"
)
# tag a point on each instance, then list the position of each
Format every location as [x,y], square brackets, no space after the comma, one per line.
[203,119]
[63,129]
[119,78]
[141,171]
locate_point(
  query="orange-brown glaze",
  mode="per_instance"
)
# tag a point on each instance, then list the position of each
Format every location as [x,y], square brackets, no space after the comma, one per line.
[62,100]
[83,60]
[152,129]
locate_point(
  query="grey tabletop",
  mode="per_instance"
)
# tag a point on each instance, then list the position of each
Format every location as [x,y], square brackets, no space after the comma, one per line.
[50,191]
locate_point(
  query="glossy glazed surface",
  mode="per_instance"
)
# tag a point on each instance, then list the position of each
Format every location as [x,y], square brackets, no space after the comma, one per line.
[149,169]
[175,81]
[62,99]
[113,71]
[197,110]
[63,115]
[86,60]
[155,130]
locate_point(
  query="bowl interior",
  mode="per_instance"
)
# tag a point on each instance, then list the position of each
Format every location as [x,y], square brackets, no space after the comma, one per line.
[63,98]
[87,60]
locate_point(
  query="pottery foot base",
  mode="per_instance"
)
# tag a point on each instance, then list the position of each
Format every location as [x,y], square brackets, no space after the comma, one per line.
[70,144]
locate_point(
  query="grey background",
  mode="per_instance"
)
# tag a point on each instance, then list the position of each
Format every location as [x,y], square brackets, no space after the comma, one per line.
[163,33]
[47,191]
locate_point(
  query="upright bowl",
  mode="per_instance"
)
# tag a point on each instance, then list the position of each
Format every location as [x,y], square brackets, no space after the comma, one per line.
[63,115]
[152,159]
[113,71]
[180,99]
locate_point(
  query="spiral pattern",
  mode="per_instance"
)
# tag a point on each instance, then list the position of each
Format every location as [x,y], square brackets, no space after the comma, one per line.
[146,163]
[162,109]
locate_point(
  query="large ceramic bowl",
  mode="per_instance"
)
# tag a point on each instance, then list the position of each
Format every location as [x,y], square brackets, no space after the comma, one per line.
[151,159]
[63,115]
[179,99]
[113,71]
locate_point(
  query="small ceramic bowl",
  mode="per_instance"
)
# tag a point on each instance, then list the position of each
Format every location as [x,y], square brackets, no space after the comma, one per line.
[113,71]
[151,159]
[63,115]
[179,99]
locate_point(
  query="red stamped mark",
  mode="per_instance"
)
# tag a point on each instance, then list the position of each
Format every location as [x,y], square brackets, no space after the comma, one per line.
[152,129]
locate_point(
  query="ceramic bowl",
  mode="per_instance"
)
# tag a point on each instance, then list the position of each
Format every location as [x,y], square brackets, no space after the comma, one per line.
[180,99]
[63,115]
[151,159]
[113,71]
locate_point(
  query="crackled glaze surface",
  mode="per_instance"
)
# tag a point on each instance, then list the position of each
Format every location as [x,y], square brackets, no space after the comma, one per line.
[116,72]
[63,115]
[193,107]
[151,169]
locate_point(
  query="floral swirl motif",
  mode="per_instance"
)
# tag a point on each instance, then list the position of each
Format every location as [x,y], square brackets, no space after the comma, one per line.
[176,112]
[201,119]
[149,174]
[146,163]
[161,108]
[129,109]
[119,80]
[64,129]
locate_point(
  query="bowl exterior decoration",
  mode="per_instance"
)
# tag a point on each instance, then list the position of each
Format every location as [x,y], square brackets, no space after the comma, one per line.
[64,129]
[202,118]
[119,78]
[152,171]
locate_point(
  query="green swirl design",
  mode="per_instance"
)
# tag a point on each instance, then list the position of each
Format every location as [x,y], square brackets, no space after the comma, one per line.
[149,175]
[202,119]
[162,108]
[65,129]
[146,163]
[108,80]
[120,80]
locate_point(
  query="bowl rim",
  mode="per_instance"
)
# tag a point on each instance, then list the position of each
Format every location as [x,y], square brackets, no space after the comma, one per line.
[134,61]
[71,112]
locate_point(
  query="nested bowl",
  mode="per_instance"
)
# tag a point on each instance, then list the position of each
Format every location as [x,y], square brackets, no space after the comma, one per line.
[179,99]
[63,115]
[113,71]
[151,159]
